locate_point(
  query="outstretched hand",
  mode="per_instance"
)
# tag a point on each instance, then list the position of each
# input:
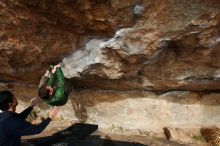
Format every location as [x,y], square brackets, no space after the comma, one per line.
[53,112]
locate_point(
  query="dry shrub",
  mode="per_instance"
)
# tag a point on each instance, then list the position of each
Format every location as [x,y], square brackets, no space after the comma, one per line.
[211,135]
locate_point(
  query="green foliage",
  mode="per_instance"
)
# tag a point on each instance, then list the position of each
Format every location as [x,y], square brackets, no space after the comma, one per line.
[198,138]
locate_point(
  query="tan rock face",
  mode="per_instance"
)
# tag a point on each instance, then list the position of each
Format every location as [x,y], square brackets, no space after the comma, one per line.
[138,112]
[164,45]
[126,45]
[148,111]
[175,134]
[112,59]
[37,33]
[149,59]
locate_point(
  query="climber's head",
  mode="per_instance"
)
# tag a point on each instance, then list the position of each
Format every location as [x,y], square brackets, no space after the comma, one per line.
[45,92]
[8,102]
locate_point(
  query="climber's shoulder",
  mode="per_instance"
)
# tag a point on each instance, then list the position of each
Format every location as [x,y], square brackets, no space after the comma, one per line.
[59,98]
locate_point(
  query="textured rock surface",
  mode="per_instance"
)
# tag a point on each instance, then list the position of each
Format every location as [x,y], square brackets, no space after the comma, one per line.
[175,134]
[164,44]
[141,58]
[112,59]
[140,112]
[148,111]
[118,49]
[34,34]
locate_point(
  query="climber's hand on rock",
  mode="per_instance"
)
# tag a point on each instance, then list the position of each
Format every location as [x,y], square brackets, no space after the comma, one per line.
[55,68]
[53,112]
[58,65]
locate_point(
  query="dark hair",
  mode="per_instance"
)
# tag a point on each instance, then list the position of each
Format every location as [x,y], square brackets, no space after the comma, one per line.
[6,97]
[43,92]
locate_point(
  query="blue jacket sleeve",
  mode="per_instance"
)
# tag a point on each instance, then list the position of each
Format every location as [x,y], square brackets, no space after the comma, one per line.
[25,113]
[24,128]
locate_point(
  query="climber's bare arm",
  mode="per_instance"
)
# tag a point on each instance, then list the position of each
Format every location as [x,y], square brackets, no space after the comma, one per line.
[44,78]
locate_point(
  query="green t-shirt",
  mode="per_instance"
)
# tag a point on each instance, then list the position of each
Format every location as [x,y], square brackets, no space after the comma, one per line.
[59,96]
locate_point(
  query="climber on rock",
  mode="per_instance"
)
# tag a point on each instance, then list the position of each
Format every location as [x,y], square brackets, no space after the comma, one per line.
[55,95]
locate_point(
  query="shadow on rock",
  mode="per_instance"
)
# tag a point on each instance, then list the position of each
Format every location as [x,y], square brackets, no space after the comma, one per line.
[77,135]
[76,132]
[79,109]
